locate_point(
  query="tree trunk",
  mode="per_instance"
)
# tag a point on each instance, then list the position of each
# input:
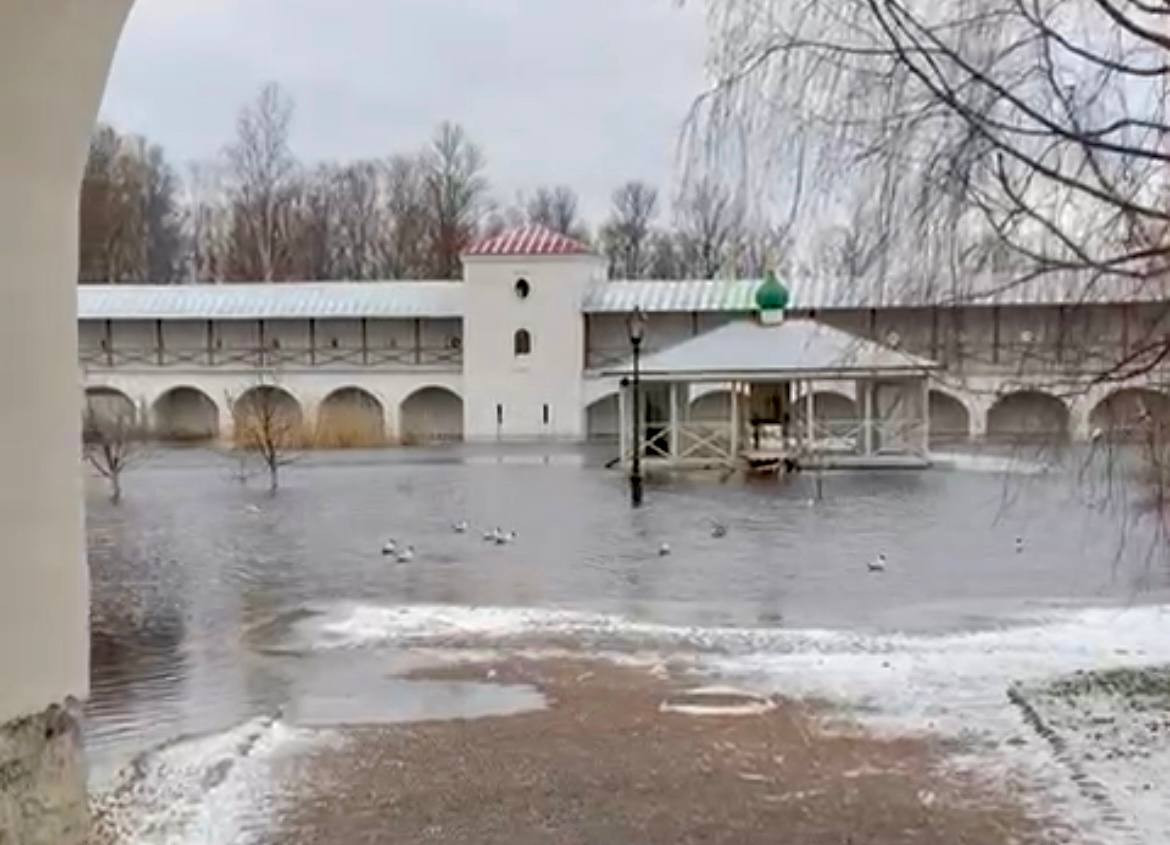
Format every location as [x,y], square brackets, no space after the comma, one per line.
[116,488]
[273,480]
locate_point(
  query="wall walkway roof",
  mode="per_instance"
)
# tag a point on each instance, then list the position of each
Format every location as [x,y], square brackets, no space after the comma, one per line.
[299,300]
[441,299]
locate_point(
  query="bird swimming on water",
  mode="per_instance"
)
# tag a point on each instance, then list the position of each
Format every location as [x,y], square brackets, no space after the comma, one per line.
[719,530]
[405,555]
[504,537]
[1019,545]
[460,527]
[389,547]
[878,564]
[664,550]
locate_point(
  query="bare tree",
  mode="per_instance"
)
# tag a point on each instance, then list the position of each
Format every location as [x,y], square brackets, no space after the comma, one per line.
[111,226]
[404,251]
[361,224]
[313,226]
[500,220]
[556,209]
[456,193]
[128,218]
[163,217]
[666,258]
[624,235]
[112,442]
[1038,126]
[263,189]
[709,218]
[267,425]
[206,223]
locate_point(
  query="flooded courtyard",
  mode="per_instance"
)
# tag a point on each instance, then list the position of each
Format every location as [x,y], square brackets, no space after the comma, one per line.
[225,619]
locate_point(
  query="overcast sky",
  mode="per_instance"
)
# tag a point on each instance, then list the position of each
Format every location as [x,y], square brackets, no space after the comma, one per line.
[585,92]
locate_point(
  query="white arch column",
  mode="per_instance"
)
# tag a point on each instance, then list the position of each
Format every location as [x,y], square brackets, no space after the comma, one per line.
[54,59]
[1080,407]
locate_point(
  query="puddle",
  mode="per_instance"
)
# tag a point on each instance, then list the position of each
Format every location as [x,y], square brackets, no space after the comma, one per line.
[397,700]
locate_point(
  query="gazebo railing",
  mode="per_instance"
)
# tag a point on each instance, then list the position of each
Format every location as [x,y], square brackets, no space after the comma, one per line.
[841,436]
[705,441]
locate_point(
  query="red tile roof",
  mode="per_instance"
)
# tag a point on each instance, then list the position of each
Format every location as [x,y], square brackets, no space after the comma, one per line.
[528,240]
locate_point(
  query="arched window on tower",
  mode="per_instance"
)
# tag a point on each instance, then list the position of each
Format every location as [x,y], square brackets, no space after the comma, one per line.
[522,343]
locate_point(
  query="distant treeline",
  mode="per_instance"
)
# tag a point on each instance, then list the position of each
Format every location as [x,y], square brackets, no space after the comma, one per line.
[257,213]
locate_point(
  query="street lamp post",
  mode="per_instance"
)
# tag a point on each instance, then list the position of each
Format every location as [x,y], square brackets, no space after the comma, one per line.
[636,325]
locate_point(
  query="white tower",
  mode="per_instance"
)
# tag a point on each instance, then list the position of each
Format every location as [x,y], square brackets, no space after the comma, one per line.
[524,335]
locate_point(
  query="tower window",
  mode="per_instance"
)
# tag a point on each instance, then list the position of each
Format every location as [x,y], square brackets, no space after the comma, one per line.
[523,289]
[546,414]
[522,343]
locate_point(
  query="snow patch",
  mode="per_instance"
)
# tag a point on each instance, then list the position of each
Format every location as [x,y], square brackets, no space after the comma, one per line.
[197,791]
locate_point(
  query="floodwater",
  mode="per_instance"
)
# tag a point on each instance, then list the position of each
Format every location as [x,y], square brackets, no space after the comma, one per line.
[215,604]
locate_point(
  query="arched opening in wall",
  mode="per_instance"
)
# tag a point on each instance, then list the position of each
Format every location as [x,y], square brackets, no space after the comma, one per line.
[834,415]
[1130,413]
[185,415]
[522,343]
[712,407]
[108,407]
[267,414]
[351,418]
[950,422]
[1028,416]
[602,419]
[431,415]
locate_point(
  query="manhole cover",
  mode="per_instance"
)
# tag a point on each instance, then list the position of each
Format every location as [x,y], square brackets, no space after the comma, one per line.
[717,701]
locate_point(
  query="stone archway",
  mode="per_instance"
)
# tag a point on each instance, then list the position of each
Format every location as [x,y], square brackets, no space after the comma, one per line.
[185,414]
[110,405]
[431,414]
[603,419]
[950,421]
[828,406]
[1130,412]
[350,418]
[712,407]
[1028,415]
[268,414]
[54,60]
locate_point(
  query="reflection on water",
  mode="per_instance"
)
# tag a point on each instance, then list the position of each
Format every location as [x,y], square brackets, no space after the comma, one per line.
[199,583]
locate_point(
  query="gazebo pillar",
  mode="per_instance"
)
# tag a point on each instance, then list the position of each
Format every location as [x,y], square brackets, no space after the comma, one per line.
[624,424]
[675,421]
[734,420]
[866,387]
[924,415]
[809,421]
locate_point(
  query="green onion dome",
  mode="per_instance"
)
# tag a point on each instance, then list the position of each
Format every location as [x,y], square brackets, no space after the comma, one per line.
[771,295]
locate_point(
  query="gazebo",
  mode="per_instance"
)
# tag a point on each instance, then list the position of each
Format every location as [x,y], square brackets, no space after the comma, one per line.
[766,374]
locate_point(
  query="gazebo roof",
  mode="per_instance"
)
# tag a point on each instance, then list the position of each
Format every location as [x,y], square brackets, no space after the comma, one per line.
[796,348]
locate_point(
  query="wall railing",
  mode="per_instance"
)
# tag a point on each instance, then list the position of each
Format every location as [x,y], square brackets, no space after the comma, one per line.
[429,357]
